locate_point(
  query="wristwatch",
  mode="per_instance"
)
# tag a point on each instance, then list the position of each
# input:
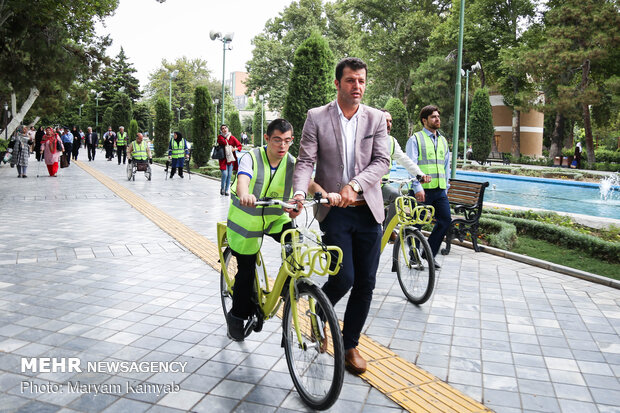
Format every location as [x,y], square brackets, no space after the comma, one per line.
[356,187]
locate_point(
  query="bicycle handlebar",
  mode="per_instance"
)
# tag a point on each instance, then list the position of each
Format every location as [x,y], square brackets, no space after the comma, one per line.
[305,204]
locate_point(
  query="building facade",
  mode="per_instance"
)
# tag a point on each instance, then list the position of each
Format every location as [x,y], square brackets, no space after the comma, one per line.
[531,129]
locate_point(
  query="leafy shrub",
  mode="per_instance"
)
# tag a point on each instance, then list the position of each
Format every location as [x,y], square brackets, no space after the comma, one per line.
[504,169]
[505,235]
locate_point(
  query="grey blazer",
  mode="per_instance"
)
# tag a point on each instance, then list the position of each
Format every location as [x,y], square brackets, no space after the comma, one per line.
[321,144]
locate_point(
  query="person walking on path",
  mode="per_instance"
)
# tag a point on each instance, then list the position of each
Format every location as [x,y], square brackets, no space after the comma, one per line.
[429,149]
[227,165]
[109,138]
[389,192]
[52,148]
[92,140]
[21,151]
[121,144]
[578,154]
[67,142]
[347,141]
[178,151]
[77,142]
[38,139]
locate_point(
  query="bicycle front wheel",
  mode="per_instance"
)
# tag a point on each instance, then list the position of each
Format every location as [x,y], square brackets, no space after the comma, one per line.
[317,374]
[416,275]
[227,279]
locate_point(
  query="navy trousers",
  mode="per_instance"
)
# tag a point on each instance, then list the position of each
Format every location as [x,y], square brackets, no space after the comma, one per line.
[438,199]
[356,232]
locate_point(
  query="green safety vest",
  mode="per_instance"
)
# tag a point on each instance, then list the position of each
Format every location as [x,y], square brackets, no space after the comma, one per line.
[392,140]
[139,150]
[178,149]
[120,140]
[246,225]
[431,161]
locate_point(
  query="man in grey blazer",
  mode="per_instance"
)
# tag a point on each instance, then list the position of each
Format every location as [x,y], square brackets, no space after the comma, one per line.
[348,144]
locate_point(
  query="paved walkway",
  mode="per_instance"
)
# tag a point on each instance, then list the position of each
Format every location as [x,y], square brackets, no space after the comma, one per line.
[85,275]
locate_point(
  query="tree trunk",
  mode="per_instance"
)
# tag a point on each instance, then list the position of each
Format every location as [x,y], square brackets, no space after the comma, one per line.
[19,116]
[556,136]
[587,126]
[516,134]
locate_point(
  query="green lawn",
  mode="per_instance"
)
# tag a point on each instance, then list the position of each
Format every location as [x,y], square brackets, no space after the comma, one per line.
[564,256]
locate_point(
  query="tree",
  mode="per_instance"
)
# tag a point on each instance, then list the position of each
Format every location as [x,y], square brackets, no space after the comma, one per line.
[256,128]
[30,35]
[274,48]
[400,121]
[234,124]
[203,129]
[142,114]
[578,39]
[133,130]
[108,117]
[162,127]
[310,85]
[480,128]
[122,72]
[121,111]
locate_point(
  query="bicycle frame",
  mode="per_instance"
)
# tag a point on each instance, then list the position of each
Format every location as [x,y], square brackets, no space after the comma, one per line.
[408,213]
[296,256]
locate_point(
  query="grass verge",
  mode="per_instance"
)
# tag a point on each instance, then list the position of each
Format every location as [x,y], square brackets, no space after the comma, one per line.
[565,256]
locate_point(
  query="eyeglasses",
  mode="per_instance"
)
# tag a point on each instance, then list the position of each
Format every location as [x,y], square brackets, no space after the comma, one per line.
[278,141]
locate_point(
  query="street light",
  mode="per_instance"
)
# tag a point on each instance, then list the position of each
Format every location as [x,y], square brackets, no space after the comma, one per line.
[262,114]
[172,75]
[225,39]
[97,96]
[215,102]
[6,121]
[457,91]
[473,68]
[81,111]
[179,117]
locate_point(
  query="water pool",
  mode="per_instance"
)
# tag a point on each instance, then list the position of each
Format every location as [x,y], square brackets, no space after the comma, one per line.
[552,194]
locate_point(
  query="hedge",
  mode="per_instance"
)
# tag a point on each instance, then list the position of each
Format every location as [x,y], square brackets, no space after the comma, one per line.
[596,247]
[505,236]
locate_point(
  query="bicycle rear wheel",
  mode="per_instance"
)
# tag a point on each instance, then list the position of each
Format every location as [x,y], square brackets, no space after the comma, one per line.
[316,374]
[416,275]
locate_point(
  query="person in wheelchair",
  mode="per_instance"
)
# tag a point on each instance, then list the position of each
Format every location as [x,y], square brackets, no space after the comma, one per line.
[139,151]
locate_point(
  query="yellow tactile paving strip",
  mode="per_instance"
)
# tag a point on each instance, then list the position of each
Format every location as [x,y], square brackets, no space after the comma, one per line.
[402,381]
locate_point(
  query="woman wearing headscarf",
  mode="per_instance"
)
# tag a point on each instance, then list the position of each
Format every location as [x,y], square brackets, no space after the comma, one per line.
[77,142]
[177,152]
[229,163]
[21,151]
[38,139]
[52,149]
[578,155]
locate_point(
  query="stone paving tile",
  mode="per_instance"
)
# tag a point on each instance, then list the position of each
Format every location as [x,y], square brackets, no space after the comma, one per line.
[517,337]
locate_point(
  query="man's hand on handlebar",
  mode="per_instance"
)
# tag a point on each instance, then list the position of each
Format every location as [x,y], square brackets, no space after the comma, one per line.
[247,200]
[425,179]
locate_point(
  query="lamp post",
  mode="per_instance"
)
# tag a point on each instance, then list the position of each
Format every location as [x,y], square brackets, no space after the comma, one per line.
[262,114]
[225,39]
[457,92]
[179,116]
[215,102]
[97,96]
[6,121]
[473,68]
[171,75]
[81,111]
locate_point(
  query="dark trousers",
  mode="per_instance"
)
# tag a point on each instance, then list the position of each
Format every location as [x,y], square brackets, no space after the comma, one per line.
[439,200]
[121,151]
[244,280]
[68,149]
[92,150]
[180,169]
[356,232]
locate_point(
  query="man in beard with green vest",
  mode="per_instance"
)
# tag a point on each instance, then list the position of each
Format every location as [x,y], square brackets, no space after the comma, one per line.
[429,149]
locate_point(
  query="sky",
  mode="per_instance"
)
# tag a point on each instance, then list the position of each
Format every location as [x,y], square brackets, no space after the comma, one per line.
[150,31]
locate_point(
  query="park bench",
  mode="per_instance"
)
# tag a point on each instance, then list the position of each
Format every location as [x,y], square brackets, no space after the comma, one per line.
[466,199]
[498,157]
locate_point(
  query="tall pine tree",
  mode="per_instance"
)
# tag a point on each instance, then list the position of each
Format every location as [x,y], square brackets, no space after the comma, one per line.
[480,127]
[310,84]
[162,127]
[203,128]
[399,120]
[122,75]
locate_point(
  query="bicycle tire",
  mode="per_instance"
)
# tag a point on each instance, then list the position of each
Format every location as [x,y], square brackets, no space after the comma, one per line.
[317,376]
[230,262]
[416,278]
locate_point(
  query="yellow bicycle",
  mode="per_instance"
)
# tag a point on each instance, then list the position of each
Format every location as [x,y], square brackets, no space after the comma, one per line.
[415,272]
[309,320]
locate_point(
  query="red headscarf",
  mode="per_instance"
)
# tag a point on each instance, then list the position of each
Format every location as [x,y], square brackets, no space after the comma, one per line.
[50,139]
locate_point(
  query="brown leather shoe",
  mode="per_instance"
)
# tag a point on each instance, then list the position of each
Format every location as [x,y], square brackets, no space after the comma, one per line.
[354,362]
[393,237]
